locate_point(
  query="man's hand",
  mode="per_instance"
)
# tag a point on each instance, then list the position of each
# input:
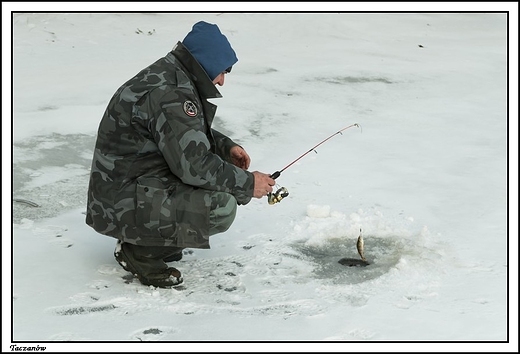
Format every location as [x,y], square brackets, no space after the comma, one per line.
[263,184]
[239,157]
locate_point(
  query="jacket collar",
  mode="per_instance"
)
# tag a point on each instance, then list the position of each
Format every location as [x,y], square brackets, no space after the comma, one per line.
[203,83]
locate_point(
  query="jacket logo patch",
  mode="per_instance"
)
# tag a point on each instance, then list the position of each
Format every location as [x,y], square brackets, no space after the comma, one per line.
[190,109]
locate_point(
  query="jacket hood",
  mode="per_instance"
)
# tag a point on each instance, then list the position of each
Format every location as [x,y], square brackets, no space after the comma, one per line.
[210,48]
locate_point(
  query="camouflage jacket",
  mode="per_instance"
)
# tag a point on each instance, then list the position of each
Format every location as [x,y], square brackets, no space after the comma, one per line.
[156,158]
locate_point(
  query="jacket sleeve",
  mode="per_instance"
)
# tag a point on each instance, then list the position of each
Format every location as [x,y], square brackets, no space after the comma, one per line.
[185,147]
[223,145]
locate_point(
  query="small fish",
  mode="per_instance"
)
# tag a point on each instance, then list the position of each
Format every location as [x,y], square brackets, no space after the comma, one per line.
[361,246]
[352,262]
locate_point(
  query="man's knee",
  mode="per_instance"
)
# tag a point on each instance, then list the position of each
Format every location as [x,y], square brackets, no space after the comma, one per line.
[223,214]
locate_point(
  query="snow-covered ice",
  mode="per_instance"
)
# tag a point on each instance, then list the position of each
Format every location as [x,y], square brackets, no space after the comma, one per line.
[426,178]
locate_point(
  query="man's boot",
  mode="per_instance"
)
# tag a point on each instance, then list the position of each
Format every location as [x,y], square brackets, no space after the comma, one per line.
[147,264]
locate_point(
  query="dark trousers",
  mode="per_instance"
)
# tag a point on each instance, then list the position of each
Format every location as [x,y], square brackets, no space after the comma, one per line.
[150,259]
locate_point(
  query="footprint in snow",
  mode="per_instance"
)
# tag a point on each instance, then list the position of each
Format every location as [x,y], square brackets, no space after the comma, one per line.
[99,284]
[82,310]
[54,234]
[152,333]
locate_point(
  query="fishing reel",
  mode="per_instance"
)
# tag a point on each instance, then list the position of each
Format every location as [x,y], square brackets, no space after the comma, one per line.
[276,197]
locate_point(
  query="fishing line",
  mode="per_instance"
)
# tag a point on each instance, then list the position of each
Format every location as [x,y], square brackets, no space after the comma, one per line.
[282,192]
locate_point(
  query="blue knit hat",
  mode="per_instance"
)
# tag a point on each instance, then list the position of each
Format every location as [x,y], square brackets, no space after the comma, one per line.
[210,48]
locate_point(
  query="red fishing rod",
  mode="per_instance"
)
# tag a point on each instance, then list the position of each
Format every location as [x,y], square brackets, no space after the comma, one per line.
[281,193]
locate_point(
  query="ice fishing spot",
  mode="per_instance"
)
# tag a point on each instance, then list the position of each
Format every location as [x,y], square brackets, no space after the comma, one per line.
[339,254]
[336,259]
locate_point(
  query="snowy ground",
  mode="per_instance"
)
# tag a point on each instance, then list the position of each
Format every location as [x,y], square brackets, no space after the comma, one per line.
[425,178]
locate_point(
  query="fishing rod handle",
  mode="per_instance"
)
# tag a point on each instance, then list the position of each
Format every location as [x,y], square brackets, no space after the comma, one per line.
[275,175]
